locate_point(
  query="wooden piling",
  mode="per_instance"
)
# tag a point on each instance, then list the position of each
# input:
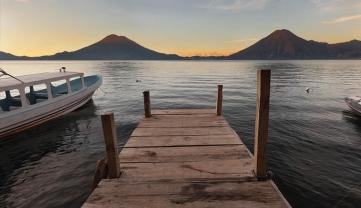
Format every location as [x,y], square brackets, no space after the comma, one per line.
[147,110]
[110,139]
[219,100]
[262,118]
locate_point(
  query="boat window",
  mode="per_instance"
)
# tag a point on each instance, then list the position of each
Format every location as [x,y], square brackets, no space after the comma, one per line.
[76,84]
[36,93]
[15,93]
[2,95]
[59,88]
[10,100]
[2,100]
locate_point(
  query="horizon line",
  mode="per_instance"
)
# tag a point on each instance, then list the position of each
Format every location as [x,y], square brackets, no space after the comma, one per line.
[200,54]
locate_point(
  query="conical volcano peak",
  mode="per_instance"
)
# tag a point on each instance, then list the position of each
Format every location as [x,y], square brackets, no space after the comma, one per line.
[282,34]
[114,39]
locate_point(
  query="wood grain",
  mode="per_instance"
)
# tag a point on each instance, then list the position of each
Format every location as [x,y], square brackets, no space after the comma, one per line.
[110,140]
[219,100]
[185,158]
[183,111]
[210,194]
[182,154]
[192,131]
[147,109]
[169,141]
[261,127]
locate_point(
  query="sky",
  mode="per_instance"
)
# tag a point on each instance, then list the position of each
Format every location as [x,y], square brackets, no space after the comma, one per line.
[184,27]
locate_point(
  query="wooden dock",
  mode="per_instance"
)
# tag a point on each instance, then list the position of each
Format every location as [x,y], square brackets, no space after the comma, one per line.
[182,158]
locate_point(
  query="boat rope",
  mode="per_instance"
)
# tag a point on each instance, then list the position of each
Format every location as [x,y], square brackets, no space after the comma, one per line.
[4,73]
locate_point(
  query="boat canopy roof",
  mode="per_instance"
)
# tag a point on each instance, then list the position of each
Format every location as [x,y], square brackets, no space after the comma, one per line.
[34,79]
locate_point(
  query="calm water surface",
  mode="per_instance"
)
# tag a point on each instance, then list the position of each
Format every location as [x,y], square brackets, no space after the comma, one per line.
[314,146]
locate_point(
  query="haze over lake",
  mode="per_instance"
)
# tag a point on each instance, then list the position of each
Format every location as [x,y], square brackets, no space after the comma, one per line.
[314,145]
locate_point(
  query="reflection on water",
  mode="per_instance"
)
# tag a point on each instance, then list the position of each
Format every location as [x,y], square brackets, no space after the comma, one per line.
[314,145]
[32,162]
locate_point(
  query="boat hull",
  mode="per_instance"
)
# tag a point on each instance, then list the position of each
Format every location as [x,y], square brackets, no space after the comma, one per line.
[22,119]
[354,104]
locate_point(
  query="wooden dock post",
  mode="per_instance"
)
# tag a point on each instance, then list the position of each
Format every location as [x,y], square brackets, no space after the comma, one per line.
[147,110]
[110,139]
[262,118]
[219,100]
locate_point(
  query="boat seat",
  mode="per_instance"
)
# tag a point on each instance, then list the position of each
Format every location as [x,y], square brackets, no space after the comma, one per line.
[4,105]
[31,98]
[40,95]
[7,103]
[15,101]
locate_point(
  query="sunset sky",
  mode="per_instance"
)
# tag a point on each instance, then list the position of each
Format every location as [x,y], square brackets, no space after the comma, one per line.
[184,27]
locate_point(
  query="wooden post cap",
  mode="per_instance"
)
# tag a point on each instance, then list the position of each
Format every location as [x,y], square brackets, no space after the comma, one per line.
[147,109]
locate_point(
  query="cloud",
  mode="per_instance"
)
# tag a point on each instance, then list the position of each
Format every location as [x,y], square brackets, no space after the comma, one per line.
[234,4]
[334,5]
[344,19]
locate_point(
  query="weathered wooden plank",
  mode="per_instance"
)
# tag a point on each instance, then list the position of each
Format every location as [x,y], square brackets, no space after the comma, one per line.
[187,171]
[182,111]
[209,194]
[189,121]
[168,141]
[185,116]
[182,131]
[185,158]
[183,154]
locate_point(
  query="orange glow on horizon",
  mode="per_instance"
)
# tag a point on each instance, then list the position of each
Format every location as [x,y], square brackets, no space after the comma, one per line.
[184,53]
[195,52]
[49,45]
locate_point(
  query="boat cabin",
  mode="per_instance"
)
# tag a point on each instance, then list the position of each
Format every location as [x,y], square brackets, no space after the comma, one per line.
[28,90]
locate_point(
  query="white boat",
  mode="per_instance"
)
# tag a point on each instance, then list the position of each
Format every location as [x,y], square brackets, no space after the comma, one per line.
[354,103]
[29,100]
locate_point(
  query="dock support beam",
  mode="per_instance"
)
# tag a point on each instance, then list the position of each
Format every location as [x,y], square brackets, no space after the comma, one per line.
[147,110]
[262,118]
[110,139]
[219,100]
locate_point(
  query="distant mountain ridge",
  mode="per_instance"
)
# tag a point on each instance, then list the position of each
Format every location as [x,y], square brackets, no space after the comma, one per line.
[8,56]
[113,47]
[281,44]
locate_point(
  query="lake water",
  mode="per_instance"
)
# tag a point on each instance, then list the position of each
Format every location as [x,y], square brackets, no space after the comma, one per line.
[314,146]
